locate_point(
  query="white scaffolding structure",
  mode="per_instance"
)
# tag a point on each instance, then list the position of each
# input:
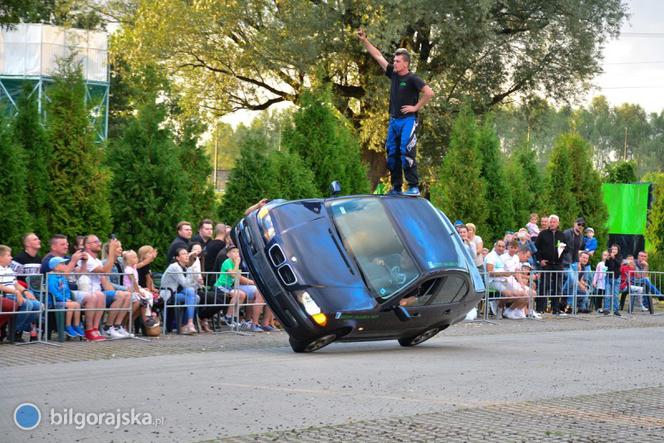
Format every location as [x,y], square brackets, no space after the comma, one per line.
[30,53]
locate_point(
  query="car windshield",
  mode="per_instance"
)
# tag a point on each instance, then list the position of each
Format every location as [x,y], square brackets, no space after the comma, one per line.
[369,235]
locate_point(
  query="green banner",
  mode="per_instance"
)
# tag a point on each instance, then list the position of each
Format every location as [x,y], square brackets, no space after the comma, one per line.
[628,207]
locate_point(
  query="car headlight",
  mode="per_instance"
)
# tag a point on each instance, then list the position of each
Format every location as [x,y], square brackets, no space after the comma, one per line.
[266,223]
[311,308]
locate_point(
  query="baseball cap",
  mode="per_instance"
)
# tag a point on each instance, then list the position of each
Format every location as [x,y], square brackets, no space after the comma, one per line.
[589,229]
[458,223]
[526,265]
[581,221]
[55,261]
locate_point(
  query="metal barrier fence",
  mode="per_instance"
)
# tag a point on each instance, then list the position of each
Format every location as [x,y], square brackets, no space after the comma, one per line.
[537,291]
[14,314]
[643,287]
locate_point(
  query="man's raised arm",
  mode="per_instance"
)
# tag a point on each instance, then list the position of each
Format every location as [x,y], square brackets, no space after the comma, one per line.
[373,51]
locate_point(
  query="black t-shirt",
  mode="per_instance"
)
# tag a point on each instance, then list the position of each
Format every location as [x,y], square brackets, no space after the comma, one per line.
[211,251]
[142,275]
[404,90]
[25,263]
[177,243]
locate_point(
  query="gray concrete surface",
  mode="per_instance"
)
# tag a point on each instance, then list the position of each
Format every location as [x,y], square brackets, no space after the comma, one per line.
[264,391]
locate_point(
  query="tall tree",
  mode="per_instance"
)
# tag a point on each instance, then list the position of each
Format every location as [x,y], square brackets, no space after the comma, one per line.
[79,197]
[655,229]
[230,58]
[498,193]
[559,197]
[196,165]
[459,191]
[620,172]
[526,158]
[13,199]
[321,137]
[30,133]
[150,192]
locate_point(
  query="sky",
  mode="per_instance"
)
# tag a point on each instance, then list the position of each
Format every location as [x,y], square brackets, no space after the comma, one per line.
[633,67]
[634,63]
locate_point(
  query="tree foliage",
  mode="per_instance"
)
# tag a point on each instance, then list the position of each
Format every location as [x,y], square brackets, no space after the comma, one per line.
[322,138]
[150,192]
[79,193]
[655,229]
[459,191]
[620,172]
[13,198]
[559,198]
[498,192]
[228,57]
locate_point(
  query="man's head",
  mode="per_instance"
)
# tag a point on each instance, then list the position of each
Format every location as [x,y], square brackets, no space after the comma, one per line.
[5,255]
[92,244]
[205,229]
[544,223]
[583,258]
[401,61]
[554,221]
[499,247]
[184,229]
[59,245]
[220,231]
[642,256]
[31,242]
[524,253]
[579,224]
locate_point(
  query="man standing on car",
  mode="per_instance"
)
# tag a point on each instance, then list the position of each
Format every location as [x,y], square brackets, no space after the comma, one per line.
[405,88]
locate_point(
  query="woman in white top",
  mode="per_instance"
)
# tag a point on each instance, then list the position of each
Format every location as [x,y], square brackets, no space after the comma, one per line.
[177,283]
[475,239]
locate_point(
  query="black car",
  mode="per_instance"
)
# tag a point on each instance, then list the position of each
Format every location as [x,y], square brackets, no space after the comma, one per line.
[354,268]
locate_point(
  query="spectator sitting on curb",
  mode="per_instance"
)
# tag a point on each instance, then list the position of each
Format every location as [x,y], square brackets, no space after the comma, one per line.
[58,287]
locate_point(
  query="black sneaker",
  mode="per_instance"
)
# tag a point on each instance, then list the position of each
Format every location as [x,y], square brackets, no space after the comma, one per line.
[606,312]
[18,338]
[617,314]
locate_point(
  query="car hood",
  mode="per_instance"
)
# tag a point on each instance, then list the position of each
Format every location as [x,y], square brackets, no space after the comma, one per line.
[318,258]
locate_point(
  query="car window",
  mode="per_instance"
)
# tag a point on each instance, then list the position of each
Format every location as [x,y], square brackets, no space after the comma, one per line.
[369,236]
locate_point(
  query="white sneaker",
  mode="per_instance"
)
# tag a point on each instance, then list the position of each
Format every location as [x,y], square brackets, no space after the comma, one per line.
[534,314]
[643,308]
[122,331]
[114,334]
[246,326]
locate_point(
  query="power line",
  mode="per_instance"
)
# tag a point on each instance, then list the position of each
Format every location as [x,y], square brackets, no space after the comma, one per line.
[631,87]
[634,63]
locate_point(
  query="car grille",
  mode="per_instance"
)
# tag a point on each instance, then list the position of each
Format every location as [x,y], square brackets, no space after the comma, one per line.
[287,275]
[277,255]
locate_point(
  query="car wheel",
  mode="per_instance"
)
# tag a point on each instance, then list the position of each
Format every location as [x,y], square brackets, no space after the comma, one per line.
[311,346]
[416,340]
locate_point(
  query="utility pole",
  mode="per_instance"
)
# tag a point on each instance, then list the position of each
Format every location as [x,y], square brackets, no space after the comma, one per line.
[625,148]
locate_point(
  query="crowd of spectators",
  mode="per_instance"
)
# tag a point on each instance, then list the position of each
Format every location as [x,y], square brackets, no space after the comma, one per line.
[541,268]
[97,286]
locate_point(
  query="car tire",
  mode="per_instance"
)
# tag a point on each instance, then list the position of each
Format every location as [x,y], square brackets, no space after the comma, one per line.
[419,338]
[311,345]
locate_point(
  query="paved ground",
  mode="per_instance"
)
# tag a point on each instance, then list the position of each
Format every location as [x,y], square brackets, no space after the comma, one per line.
[594,379]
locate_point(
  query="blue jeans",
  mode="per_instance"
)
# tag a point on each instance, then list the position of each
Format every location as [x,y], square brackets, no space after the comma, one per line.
[571,282]
[401,152]
[612,292]
[24,321]
[188,297]
[647,285]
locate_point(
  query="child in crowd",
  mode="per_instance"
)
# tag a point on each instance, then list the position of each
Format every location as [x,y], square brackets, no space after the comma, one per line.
[533,228]
[58,287]
[591,241]
[627,286]
[599,281]
[130,281]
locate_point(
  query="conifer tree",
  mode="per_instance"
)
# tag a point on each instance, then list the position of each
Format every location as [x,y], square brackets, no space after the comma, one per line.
[655,229]
[30,134]
[323,139]
[150,192]
[498,193]
[196,164]
[560,199]
[526,183]
[79,193]
[13,198]
[459,191]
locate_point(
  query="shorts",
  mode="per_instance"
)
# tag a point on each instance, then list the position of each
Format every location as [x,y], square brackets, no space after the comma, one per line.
[250,290]
[110,297]
[80,296]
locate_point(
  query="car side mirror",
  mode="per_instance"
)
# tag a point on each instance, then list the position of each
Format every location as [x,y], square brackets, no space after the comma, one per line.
[402,313]
[335,188]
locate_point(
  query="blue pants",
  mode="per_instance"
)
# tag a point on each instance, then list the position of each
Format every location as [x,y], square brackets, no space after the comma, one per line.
[612,291]
[401,152]
[648,286]
[24,321]
[571,282]
[187,297]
